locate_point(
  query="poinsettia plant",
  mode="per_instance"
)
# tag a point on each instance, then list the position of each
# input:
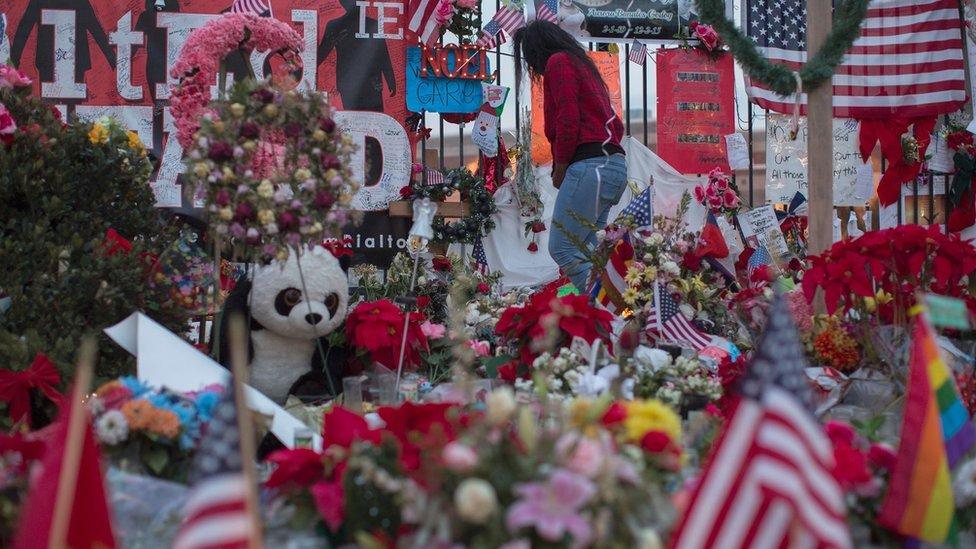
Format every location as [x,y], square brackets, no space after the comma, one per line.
[881,272]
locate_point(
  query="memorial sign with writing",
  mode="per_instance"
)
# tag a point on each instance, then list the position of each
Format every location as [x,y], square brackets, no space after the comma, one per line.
[625,20]
[786,161]
[446,79]
[760,227]
[696,109]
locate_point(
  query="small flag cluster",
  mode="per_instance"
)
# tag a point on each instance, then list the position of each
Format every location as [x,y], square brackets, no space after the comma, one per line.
[506,21]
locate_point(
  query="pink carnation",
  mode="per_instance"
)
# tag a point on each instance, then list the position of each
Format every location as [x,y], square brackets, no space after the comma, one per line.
[480,348]
[707,35]
[12,78]
[731,199]
[444,13]
[700,193]
[432,331]
[7,125]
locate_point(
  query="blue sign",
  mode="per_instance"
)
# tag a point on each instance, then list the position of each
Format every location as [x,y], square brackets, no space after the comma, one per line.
[432,93]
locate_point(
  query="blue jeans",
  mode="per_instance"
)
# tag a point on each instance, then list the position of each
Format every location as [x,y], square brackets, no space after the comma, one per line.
[577,200]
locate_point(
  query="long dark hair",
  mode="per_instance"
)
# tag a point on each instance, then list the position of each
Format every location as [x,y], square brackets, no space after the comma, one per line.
[536,42]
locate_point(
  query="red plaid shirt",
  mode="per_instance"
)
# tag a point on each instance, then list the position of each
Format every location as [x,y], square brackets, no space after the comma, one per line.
[577,108]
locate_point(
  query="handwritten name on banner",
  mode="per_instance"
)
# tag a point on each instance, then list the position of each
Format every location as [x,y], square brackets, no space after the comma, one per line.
[786,161]
[447,83]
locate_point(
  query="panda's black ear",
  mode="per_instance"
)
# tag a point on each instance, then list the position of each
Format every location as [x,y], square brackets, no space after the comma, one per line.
[344,261]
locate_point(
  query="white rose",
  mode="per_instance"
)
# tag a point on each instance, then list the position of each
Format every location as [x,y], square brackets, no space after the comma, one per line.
[671,267]
[501,405]
[655,357]
[687,311]
[475,500]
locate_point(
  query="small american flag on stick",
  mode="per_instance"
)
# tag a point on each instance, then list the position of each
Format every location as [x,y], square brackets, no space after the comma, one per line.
[667,323]
[546,10]
[769,482]
[257,7]
[638,53]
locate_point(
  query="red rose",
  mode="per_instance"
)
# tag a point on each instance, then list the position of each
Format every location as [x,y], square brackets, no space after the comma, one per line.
[483,288]
[538,227]
[533,247]
[655,442]
[442,264]
[615,414]
[960,140]
[882,457]
[851,465]
[406,191]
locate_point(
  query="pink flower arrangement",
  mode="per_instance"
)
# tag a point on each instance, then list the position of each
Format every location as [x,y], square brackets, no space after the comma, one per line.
[552,507]
[444,12]
[706,34]
[719,194]
[7,125]
[433,331]
[12,78]
[199,61]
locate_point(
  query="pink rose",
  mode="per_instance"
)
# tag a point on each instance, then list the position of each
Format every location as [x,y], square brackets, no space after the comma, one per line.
[7,125]
[711,192]
[581,455]
[12,78]
[699,193]
[444,13]
[432,331]
[731,199]
[716,203]
[459,457]
[722,184]
[480,348]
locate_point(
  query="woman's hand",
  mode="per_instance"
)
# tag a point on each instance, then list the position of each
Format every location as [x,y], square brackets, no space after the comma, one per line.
[558,174]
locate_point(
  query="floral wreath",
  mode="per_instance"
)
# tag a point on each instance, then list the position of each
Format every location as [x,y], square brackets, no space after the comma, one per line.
[469,229]
[205,48]
[274,167]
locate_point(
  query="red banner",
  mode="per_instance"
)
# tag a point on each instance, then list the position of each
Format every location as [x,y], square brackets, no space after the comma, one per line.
[96,57]
[695,109]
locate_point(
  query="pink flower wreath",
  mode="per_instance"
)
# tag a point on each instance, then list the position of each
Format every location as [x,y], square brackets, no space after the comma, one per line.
[200,59]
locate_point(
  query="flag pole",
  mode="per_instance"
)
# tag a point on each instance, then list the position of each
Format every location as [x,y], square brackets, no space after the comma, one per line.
[74,440]
[237,334]
[820,142]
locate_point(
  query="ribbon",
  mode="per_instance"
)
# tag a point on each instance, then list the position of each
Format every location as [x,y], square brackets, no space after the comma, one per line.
[795,216]
[795,121]
[15,387]
[888,132]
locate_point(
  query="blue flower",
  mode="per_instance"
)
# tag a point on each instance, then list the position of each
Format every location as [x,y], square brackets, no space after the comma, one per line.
[206,402]
[137,387]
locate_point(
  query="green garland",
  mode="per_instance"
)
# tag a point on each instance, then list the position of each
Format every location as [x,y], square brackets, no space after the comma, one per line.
[468,229]
[778,78]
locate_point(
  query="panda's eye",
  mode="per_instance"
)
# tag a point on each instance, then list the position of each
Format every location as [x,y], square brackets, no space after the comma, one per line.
[291,297]
[332,303]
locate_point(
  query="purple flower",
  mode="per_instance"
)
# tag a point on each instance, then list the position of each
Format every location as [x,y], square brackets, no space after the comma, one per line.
[552,507]
[250,130]
[327,125]
[293,239]
[324,199]
[223,198]
[331,161]
[252,236]
[293,129]
[220,151]
[263,95]
[287,220]
[244,212]
[236,230]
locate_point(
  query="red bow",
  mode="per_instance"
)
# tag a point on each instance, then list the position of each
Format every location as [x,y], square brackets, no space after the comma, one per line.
[15,386]
[888,132]
[115,243]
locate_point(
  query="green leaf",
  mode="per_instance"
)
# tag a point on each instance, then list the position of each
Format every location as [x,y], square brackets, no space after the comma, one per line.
[156,458]
[491,364]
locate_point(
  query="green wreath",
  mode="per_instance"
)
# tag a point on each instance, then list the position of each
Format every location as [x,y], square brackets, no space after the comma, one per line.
[471,228]
[779,78]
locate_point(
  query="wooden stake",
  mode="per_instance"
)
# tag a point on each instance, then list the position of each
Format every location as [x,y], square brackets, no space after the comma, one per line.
[75,440]
[237,336]
[820,143]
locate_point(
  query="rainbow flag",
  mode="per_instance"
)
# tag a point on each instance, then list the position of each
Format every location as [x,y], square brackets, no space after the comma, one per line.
[936,433]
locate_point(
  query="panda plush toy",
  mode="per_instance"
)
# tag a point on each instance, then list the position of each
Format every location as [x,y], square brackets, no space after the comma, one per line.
[289,349]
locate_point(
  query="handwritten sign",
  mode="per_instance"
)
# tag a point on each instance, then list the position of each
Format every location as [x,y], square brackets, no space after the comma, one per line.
[696,109]
[786,161]
[760,227]
[446,80]
[737,151]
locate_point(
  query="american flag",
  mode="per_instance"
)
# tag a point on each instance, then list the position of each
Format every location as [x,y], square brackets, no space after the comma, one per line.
[216,513]
[769,482]
[421,19]
[641,209]
[257,7]
[638,53]
[668,324]
[480,259]
[760,256]
[610,285]
[506,20]
[546,10]
[907,61]
[434,177]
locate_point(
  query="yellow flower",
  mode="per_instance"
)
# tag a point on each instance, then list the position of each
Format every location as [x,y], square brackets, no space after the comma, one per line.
[318,135]
[271,110]
[265,216]
[650,273]
[237,109]
[301,174]
[99,134]
[633,276]
[228,174]
[265,189]
[330,174]
[883,298]
[200,169]
[630,296]
[226,214]
[136,144]
[644,416]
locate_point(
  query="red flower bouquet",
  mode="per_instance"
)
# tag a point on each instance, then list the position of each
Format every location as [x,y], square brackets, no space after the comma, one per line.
[376,328]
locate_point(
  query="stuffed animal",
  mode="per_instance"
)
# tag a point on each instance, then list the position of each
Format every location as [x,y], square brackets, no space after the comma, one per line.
[289,349]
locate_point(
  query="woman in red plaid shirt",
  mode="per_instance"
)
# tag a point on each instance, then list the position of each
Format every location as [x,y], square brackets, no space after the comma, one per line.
[588,168]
